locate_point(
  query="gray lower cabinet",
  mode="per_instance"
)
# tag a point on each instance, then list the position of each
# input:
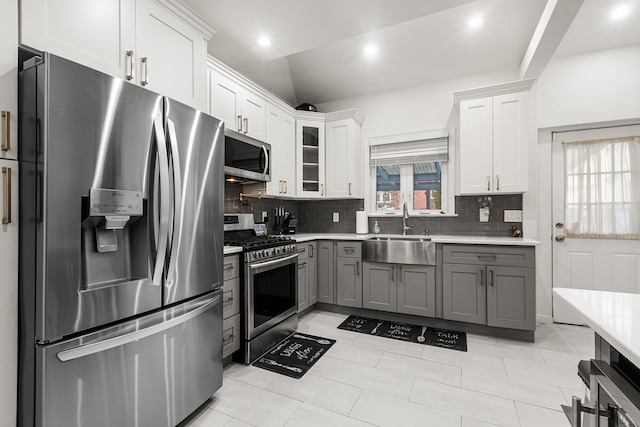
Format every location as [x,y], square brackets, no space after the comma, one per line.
[399,288]
[326,272]
[349,274]
[489,285]
[349,282]
[312,277]
[307,281]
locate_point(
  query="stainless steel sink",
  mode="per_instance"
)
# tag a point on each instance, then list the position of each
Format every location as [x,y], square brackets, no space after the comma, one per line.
[400,250]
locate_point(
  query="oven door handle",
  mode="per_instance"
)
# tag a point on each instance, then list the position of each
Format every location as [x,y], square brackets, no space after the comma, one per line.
[274,262]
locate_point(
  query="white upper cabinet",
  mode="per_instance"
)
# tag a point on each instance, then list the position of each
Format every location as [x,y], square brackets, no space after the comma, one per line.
[281,135]
[343,145]
[494,144]
[310,158]
[171,55]
[9,81]
[241,109]
[157,44]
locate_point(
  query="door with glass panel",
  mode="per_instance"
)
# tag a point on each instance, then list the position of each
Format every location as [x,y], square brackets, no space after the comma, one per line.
[596,212]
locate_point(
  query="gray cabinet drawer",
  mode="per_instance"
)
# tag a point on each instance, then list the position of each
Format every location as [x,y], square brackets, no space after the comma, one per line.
[231,267]
[510,256]
[230,297]
[349,249]
[303,250]
[230,335]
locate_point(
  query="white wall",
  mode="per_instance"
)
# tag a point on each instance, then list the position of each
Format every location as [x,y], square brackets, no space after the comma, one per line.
[427,107]
[588,88]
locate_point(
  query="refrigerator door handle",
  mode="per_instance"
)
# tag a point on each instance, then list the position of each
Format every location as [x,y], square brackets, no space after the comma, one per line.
[100,346]
[177,201]
[163,232]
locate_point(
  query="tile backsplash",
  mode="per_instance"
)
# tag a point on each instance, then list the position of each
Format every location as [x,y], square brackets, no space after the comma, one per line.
[317,215]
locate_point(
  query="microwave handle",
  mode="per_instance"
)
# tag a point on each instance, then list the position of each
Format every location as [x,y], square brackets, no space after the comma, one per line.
[266,160]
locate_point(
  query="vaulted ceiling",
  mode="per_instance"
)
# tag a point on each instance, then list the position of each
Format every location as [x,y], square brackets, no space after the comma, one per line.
[317,51]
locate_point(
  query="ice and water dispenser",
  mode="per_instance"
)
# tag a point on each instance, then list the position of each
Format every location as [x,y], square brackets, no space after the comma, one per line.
[115,237]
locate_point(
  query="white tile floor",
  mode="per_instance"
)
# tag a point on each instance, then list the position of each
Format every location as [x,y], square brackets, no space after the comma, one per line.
[374,381]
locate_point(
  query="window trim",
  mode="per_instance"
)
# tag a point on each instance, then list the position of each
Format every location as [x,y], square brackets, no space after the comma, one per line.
[447,176]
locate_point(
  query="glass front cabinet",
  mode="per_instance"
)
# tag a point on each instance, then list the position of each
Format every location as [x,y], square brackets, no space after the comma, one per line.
[310,155]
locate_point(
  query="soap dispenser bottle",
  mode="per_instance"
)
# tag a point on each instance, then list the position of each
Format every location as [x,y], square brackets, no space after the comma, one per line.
[376,228]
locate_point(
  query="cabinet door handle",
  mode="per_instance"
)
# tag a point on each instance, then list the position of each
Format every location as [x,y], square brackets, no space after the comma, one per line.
[311,251]
[129,62]
[349,188]
[246,125]
[491,277]
[399,274]
[481,271]
[239,123]
[357,268]
[488,183]
[322,189]
[6,131]
[393,273]
[280,187]
[144,61]
[286,187]
[497,182]
[6,202]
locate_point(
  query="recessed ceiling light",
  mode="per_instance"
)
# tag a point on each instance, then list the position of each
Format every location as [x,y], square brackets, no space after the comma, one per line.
[371,50]
[475,21]
[620,11]
[264,41]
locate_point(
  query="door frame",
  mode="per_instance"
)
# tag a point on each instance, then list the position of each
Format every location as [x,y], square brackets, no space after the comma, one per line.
[541,202]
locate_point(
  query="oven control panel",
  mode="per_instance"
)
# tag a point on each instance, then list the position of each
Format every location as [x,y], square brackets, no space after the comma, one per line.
[270,253]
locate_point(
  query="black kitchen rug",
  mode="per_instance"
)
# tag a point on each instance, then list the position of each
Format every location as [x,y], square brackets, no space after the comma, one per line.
[294,355]
[402,331]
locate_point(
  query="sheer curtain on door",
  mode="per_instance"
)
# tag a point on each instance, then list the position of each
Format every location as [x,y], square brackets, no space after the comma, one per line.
[602,188]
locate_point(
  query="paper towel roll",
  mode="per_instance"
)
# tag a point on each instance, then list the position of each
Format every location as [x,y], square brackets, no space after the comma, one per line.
[362,222]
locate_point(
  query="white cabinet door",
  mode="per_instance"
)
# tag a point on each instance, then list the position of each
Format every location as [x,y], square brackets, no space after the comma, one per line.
[494,144]
[511,142]
[9,80]
[9,289]
[281,134]
[224,101]
[310,159]
[170,55]
[253,108]
[97,34]
[343,159]
[242,110]
[476,150]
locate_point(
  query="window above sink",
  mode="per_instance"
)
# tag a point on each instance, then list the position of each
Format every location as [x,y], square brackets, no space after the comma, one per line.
[413,169]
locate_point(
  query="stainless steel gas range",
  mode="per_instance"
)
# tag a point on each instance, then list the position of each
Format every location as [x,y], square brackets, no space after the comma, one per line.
[269,285]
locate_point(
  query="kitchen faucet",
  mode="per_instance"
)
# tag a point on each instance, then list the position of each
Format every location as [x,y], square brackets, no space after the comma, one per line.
[405,217]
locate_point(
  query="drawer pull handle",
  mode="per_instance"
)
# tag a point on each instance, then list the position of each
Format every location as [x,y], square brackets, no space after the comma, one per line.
[492,256]
[350,250]
[228,302]
[301,264]
[228,339]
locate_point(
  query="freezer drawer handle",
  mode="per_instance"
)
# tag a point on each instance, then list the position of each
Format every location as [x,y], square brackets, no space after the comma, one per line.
[89,349]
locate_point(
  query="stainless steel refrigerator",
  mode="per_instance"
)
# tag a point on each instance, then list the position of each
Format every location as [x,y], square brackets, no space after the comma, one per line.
[121,248]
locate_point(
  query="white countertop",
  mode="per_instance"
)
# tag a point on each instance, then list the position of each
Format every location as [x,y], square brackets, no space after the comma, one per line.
[615,316]
[475,240]
[228,250]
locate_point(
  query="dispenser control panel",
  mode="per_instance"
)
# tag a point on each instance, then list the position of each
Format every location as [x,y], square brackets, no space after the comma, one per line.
[104,202]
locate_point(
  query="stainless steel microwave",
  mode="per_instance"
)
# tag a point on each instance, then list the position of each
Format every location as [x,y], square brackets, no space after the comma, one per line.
[246,158]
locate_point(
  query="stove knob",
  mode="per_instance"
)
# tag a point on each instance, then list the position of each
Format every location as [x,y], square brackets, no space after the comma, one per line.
[265,253]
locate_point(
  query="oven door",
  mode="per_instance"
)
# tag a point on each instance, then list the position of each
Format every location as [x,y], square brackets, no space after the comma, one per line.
[617,398]
[271,293]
